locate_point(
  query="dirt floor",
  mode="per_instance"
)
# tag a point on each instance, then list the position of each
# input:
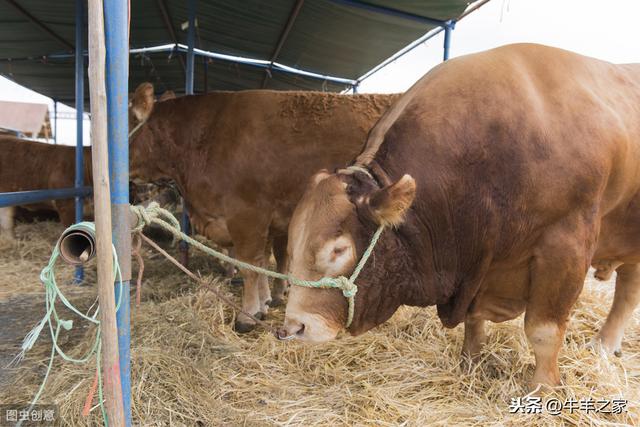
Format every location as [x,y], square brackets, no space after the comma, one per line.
[190,368]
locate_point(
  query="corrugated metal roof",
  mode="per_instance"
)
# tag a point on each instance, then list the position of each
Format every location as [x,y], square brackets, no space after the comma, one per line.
[339,38]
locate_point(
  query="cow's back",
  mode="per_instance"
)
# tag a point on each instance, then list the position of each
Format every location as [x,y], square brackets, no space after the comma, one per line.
[31,165]
[261,146]
[530,131]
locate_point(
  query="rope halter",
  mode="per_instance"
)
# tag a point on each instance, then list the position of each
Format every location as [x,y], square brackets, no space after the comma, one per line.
[136,128]
[346,285]
[154,214]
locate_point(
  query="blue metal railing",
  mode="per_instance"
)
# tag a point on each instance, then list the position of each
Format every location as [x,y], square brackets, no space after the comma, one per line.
[37,196]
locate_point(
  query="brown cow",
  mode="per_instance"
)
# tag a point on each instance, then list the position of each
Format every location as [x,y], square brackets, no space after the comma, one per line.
[30,165]
[241,161]
[500,176]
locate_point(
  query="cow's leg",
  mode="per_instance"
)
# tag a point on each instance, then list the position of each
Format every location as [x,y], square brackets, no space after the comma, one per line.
[264,292]
[279,286]
[625,300]
[7,221]
[250,237]
[604,269]
[558,269]
[66,211]
[230,269]
[474,337]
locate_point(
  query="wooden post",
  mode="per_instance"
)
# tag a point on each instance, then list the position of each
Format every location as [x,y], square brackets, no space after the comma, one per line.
[102,203]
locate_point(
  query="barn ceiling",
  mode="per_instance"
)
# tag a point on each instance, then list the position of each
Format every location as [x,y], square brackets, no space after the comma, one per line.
[338,38]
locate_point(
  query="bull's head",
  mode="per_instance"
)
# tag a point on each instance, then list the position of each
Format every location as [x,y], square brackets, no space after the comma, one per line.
[144,159]
[330,229]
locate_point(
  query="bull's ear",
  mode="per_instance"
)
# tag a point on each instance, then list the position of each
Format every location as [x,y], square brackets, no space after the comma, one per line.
[169,94]
[390,204]
[142,101]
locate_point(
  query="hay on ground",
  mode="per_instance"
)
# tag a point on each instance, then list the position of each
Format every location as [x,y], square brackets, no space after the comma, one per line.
[190,368]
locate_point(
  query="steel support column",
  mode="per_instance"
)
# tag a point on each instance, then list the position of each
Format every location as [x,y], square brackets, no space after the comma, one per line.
[116,18]
[448,28]
[205,69]
[188,89]
[55,122]
[191,41]
[79,179]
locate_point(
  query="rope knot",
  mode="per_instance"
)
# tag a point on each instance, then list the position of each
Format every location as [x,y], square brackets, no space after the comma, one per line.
[154,214]
[349,289]
[143,217]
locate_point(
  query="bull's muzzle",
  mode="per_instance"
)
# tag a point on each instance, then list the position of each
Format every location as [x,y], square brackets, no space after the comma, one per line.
[285,334]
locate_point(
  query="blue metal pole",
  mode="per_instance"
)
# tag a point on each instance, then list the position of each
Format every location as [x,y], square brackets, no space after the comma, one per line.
[55,122]
[37,196]
[116,17]
[188,89]
[205,83]
[191,40]
[79,181]
[448,27]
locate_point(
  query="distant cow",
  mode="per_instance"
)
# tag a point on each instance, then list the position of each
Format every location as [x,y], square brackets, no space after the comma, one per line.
[30,165]
[241,160]
[500,176]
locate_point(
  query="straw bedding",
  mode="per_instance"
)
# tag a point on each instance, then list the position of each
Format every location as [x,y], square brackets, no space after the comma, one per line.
[190,368]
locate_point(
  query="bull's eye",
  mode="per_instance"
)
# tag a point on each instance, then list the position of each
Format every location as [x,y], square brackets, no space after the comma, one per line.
[339,250]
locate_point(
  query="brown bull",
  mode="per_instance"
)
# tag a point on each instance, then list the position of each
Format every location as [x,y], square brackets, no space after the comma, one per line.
[500,176]
[241,161]
[29,165]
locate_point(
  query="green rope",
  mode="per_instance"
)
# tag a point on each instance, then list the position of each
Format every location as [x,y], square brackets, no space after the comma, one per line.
[154,214]
[52,293]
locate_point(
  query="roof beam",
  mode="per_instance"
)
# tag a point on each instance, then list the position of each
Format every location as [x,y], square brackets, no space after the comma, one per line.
[391,12]
[283,37]
[40,24]
[258,63]
[472,8]
[168,24]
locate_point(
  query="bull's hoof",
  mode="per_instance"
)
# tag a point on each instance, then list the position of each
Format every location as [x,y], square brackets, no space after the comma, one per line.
[243,327]
[276,302]
[600,346]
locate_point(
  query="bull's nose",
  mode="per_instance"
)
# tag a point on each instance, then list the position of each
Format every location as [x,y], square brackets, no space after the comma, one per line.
[288,333]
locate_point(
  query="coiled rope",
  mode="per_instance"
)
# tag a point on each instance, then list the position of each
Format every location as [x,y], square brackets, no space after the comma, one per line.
[154,214]
[52,294]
